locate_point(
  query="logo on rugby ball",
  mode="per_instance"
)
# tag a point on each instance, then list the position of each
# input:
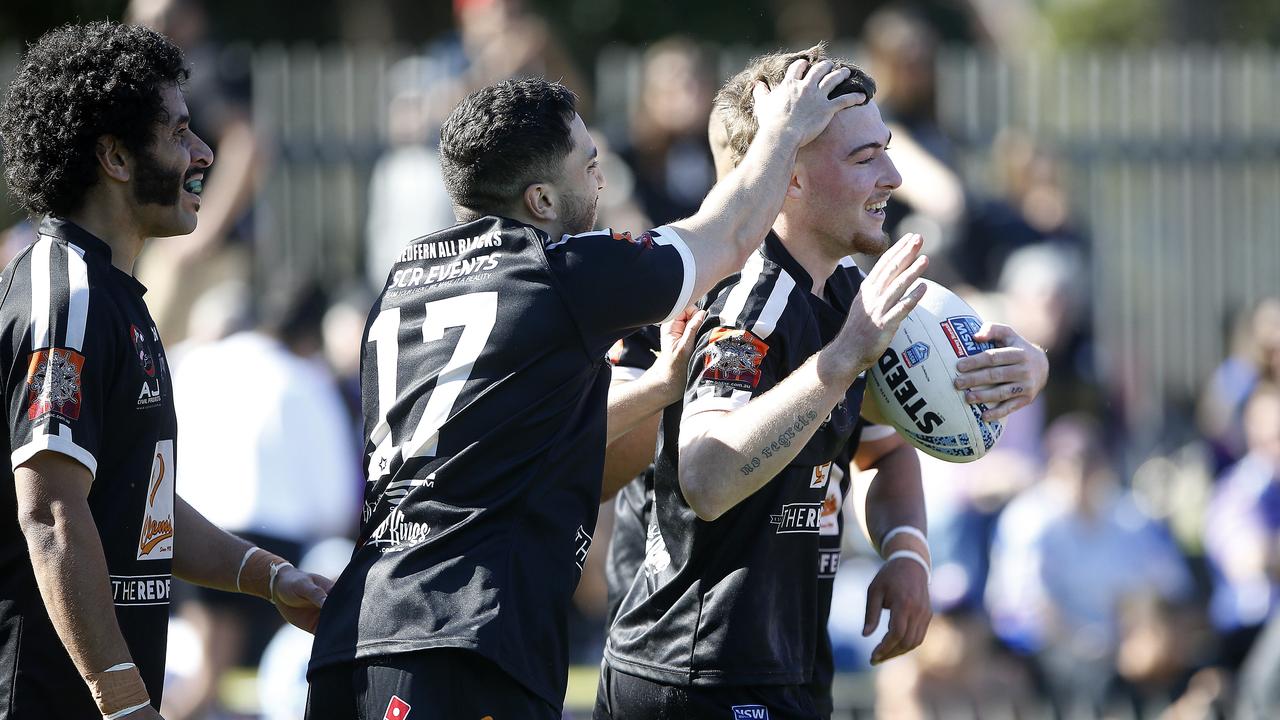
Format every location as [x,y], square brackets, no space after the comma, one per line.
[916,354]
[960,331]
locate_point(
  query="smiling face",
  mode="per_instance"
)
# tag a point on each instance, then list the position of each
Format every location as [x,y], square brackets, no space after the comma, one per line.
[169,175]
[580,183]
[842,181]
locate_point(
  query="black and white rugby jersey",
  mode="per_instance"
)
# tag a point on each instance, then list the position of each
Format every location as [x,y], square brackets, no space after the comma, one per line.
[485,384]
[734,601]
[85,376]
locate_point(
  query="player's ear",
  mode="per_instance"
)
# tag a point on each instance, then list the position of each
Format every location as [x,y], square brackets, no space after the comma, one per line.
[540,201]
[113,157]
[795,187]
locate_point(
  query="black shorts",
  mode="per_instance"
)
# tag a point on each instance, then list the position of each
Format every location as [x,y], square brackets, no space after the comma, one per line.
[626,697]
[441,684]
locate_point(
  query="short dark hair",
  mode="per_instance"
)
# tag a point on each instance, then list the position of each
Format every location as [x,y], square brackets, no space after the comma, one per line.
[736,104]
[503,138]
[75,84]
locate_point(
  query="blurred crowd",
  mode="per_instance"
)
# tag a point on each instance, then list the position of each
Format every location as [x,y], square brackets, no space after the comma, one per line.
[1061,581]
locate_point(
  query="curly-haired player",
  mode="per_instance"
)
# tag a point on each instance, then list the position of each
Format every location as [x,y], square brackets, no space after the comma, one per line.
[96,140]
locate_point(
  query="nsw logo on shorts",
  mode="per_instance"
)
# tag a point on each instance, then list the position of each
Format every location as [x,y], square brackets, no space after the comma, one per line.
[750,712]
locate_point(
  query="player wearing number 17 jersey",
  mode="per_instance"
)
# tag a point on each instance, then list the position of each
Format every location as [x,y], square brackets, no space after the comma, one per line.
[484,387]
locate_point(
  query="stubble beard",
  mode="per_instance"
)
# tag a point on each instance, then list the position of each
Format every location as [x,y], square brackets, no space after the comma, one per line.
[580,214]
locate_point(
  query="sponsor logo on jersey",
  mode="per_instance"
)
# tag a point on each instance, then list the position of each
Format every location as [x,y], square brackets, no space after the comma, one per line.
[645,240]
[149,395]
[449,248]
[906,393]
[798,518]
[140,589]
[750,712]
[397,709]
[140,349]
[582,546]
[156,540]
[734,358]
[820,475]
[916,354]
[395,533]
[828,562]
[53,383]
[656,557]
[960,331]
[460,268]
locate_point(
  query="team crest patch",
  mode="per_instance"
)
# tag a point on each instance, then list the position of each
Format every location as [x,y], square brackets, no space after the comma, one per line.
[644,240]
[750,712]
[53,383]
[140,349]
[734,358]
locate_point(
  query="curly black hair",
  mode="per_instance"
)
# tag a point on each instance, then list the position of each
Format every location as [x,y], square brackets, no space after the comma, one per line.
[75,84]
[503,138]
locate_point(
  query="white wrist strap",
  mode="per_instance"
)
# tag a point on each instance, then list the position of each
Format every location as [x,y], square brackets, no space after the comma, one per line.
[912,555]
[271,584]
[245,561]
[126,711]
[904,529]
[120,667]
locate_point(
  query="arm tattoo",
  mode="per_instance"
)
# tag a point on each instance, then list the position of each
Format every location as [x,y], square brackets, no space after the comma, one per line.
[783,440]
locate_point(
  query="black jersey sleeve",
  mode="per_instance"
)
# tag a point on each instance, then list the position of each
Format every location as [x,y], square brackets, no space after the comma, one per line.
[56,388]
[614,283]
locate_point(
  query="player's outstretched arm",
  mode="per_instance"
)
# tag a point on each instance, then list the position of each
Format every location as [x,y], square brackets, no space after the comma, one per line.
[888,499]
[725,456]
[205,554]
[741,208]
[1006,377]
[71,572]
[635,406]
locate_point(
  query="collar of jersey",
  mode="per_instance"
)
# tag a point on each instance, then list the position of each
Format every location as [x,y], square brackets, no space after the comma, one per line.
[69,232]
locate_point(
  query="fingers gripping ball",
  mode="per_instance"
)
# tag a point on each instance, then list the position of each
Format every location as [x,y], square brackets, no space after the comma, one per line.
[913,381]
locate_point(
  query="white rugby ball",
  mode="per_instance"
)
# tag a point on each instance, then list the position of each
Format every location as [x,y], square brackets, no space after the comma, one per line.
[913,382]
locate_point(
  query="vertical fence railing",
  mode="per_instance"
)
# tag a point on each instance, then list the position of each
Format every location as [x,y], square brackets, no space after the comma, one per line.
[1174,157]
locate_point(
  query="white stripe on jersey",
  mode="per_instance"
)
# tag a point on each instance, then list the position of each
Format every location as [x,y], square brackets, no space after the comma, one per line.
[61,443]
[40,293]
[666,235]
[774,306]
[738,295]
[78,307]
[847,262]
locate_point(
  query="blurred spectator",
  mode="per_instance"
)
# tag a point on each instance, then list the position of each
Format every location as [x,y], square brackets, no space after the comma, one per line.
[218,95]
[1046,291]
[667,148]
[407,197]
[1068,554]
[268,452]
[1255,358]
[1031,207]
[902,50]
[1242,531]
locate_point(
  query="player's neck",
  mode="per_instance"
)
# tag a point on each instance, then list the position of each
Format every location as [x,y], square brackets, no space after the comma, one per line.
[807,250]
[113,225]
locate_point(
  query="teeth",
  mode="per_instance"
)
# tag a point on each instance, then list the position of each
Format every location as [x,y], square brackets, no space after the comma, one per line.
[873,207]
[194,185]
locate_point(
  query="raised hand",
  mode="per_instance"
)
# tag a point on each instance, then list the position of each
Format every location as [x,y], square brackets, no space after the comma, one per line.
[800,103]
[883,301]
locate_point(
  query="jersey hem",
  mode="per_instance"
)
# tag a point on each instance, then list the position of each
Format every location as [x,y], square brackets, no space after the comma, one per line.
[58,444]
[700,678]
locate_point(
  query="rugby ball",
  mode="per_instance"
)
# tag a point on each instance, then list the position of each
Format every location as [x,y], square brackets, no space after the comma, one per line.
[913,381]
